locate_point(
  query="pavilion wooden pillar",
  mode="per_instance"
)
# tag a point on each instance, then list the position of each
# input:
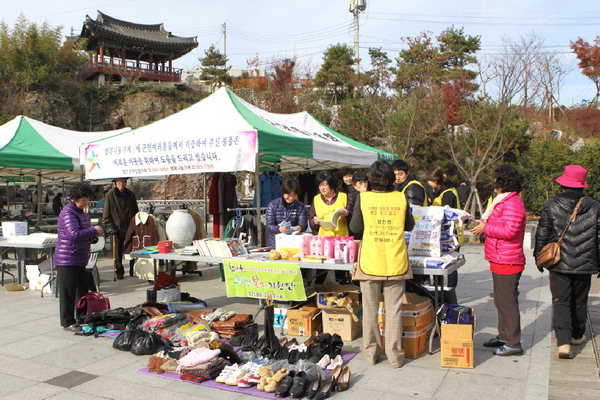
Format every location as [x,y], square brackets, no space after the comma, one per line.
[101,54]
[151,61]
[124,63]
[170,65]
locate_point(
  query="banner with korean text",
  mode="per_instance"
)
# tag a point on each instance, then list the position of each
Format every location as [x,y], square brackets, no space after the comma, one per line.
[261,279]
[171,155]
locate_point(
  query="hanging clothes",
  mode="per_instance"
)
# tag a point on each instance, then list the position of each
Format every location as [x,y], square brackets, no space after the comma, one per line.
[308,187]
[199,221]
[141,233]
[270,188]
[213,202]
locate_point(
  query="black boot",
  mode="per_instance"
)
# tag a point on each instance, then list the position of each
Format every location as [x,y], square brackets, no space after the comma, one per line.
[272,342]
[250,337]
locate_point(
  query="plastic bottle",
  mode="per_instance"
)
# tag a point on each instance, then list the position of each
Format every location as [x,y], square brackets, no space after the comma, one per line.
[339,248]
[306,242]
[319,246]
[328,246]
[352,247]
[313,245]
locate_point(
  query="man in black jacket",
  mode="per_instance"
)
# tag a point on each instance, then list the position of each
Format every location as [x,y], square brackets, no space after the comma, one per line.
[406,183]
[570,278]
[120,205]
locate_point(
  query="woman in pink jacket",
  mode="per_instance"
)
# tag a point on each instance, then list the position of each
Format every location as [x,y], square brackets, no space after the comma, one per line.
[503,223]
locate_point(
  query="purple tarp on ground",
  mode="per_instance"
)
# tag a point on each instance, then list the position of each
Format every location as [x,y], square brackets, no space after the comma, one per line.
[252,391]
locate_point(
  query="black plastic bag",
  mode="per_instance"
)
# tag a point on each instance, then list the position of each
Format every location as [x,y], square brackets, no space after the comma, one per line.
[125,339]
[146,344]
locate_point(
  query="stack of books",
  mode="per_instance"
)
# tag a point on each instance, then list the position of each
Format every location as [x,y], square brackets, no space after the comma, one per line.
[220,247]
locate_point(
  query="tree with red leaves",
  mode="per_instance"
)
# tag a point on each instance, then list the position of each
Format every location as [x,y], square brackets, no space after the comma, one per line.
[589,62]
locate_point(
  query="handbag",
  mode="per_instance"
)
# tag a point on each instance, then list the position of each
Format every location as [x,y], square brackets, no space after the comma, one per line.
[549,255]
[93,302]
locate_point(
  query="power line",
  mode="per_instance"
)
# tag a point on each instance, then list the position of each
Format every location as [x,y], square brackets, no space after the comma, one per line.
[485,23]
[486,17]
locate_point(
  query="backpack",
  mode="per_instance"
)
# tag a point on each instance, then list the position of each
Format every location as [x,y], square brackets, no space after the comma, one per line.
[93,302]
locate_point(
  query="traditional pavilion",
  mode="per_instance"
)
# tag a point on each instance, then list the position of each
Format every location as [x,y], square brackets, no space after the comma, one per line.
[126,50]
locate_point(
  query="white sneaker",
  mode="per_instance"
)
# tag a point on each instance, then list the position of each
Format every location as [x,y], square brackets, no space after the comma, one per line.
[324,362]
[335,362]
[251,377]
[225,373]
[234,376]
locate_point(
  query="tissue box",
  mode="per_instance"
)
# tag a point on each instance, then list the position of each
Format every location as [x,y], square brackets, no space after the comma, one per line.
[13,228]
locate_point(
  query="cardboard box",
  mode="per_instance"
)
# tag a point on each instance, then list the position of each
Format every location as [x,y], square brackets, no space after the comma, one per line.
[457,346]
[303,321]
[14,228]
[417,312]
[341,321]
[324,293]
[415,342]
[293,243]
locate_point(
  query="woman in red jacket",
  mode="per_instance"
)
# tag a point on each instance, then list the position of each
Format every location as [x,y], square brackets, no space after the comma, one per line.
[503,223]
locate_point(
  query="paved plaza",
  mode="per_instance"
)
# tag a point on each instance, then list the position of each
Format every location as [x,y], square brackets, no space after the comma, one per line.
[38,360]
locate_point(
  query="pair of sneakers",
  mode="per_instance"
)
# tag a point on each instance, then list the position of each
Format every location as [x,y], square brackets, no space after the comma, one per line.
[231,375]
[327,363]
[252,375]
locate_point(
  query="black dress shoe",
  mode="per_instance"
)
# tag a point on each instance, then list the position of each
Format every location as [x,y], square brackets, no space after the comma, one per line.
[284,386]
[299,385]
[494,342]
[293,356]
[325,390]
[314,386]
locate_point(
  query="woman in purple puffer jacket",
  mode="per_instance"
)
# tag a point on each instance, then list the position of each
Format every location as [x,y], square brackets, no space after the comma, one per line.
[503,223]
[286,208]
[72,253]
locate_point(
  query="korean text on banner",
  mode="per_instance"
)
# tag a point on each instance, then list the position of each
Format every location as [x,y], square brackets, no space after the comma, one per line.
[259,280]
[171,155]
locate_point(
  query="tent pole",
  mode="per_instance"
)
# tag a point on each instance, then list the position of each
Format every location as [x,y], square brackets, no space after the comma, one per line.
[39,198]
[257,195]
[204,208]
[81,173]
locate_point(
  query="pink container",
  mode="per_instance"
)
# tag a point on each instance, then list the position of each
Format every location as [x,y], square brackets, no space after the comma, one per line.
[352,250]
[328,246]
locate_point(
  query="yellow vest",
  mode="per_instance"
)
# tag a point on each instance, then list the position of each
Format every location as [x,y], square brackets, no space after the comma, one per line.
[383,249]
[438,200]
[416,182]
[324,212]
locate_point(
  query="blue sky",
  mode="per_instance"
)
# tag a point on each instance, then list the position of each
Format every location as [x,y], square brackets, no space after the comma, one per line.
[276,28]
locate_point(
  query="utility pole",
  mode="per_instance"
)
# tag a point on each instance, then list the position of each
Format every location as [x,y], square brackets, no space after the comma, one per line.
[225,39]
[356,6]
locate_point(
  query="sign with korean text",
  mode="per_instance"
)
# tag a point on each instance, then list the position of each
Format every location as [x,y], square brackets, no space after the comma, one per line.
[263,279]
[132,156]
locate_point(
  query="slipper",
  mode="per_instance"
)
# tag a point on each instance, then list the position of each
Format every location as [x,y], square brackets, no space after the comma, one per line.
[508,351]
[494,342]
[226,315]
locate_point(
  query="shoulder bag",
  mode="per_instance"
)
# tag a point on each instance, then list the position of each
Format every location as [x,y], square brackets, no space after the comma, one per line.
[549,256]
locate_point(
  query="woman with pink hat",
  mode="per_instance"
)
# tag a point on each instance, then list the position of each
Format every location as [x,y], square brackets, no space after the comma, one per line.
[570,278]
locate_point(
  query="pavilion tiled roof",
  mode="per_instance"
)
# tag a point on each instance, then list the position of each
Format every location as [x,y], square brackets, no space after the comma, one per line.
[143,36]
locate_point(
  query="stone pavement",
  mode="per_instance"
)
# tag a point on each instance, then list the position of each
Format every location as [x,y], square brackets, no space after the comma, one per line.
[38,360]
